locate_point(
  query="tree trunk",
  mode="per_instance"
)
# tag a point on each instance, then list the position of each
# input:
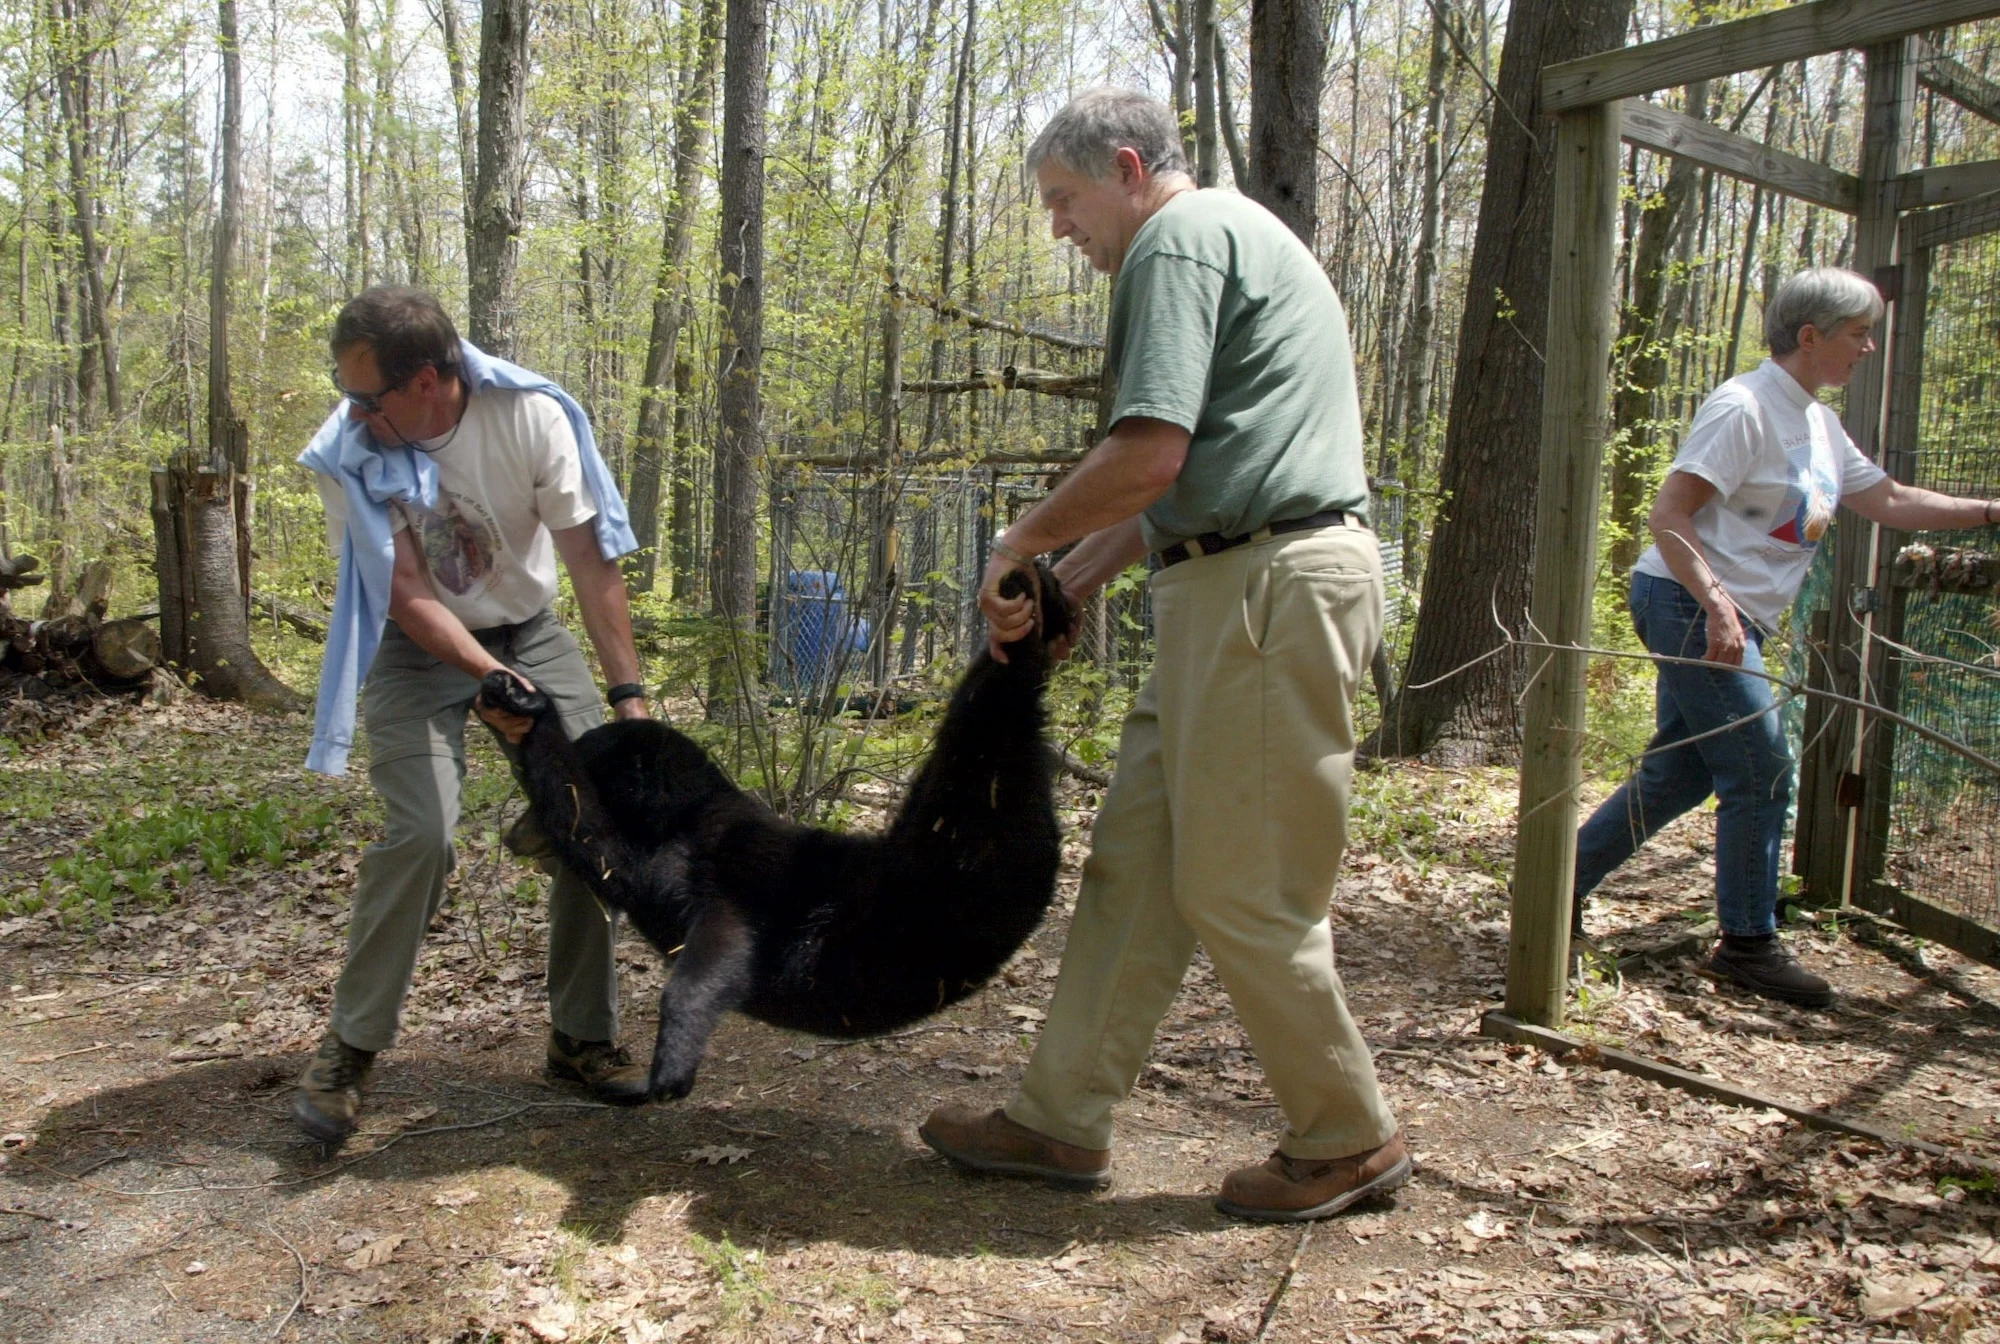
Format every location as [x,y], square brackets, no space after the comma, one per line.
[1203,35]
[1645,332]
[1481,548]
[492,306]
[353,194]
[76,45]
[681,518]
[1287,62]
[1173,32]
[1412,431]
[739,357]
[1225,112]
[673,301]
[461,102]
[201,502]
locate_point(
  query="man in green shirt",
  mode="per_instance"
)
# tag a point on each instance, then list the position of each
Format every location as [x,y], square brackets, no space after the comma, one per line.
[1235,462]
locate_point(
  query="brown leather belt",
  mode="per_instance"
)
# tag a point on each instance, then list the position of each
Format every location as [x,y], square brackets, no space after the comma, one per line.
[1209,543]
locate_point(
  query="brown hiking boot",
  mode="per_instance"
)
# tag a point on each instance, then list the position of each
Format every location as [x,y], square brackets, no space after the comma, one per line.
[328,1104]
[602,1066]
[1284,1189]
[987,1141]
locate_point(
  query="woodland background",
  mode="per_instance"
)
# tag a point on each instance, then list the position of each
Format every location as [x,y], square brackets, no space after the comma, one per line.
[789,254]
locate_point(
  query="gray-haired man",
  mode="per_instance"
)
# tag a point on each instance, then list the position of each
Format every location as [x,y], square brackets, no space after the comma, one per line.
[1235,460]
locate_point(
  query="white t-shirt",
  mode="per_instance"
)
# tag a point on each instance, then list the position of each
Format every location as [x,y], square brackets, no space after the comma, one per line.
[1780,462]
[508,477]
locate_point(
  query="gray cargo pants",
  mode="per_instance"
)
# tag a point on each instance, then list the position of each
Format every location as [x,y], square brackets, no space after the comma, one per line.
[415,709]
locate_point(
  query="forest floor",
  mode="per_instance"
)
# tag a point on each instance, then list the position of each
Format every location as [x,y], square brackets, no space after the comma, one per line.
[154,1189]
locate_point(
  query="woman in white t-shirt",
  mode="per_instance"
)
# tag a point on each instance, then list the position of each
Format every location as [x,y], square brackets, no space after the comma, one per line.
[1745,505]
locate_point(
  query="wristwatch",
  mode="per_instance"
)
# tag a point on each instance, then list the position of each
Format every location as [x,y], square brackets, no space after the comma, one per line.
[625,690]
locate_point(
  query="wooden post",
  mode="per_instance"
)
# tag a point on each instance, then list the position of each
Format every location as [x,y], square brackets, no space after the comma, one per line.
[1578,352]
[1899,459]
[1830,788]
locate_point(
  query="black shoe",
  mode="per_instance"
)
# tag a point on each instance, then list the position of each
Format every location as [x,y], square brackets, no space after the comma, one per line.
[602,1066]
[1763,966]
[328,1104]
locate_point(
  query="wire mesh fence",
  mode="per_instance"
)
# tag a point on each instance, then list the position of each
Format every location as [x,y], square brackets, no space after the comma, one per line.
[1943,845]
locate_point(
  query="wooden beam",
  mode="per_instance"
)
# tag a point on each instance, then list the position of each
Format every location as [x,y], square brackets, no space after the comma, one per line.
[1963,85]
[1083,387]
[1502,1027]
[1951,223]
[1574,415]
[1738,156]
[1823,851]
[1921,919]
[1952,182]
[1749,44]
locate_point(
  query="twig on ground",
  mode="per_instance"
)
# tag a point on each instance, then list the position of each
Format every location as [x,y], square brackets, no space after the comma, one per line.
[1284,1282]
[298,1301]
[1456,1066]
[30,1213]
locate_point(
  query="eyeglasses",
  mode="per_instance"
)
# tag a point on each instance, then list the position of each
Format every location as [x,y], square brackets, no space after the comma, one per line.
[369,403]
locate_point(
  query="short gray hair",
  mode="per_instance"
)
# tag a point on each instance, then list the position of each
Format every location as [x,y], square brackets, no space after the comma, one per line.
[1823,298]
[1086,135]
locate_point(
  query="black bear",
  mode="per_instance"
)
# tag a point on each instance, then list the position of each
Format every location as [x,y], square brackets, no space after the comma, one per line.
[816,931]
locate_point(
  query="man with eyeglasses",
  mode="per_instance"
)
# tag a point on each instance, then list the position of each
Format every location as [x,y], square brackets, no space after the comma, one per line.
[452,482]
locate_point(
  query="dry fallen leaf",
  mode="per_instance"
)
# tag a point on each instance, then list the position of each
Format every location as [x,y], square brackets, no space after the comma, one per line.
[714,1154]
[1485,1226]
[375,1252]
[1882,1299]
[455,1199]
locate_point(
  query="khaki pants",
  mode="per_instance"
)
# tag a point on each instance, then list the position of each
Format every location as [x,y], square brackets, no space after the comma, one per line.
[415,710]
[1224,825]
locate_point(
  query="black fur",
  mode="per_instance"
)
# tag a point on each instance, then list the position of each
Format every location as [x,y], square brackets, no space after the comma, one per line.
[817,931]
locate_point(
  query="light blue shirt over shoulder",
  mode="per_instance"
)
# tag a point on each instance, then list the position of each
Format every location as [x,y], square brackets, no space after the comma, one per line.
[372,477]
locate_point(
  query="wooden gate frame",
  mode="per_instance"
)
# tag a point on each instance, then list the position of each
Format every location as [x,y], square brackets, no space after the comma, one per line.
[1870,790]
[1598,102]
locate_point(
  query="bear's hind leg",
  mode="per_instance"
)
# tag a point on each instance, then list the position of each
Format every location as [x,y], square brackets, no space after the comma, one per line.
[711,977]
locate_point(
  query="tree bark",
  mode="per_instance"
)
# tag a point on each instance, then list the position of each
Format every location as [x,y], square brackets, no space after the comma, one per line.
[1206,165]
[1287,62]
[739,356]
[492,306]
[461,103]
[673,301]
[1481,548]
[201,502]
[1645,332]
[1412,431]
[73,60]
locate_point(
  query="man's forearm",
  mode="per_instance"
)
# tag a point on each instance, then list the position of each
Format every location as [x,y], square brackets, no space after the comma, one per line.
[607,619]
[1101,557]
[1126,472]
[442,635]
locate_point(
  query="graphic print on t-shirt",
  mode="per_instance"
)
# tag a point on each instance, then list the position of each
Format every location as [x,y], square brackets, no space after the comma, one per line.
[459,540]
[1809,496]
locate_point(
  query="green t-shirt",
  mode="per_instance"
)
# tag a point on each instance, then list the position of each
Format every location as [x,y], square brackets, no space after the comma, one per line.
[1222,323]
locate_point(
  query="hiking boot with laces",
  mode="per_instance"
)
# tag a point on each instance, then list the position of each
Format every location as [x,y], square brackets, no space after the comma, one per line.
[602,1066]
[1764,966]
[1286,1189]
[328,1104]
[990,1142]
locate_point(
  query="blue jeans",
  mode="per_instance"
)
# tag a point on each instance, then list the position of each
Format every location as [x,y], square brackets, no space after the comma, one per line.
[1748,768]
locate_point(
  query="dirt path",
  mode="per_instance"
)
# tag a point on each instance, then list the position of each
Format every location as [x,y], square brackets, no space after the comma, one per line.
[152,1188]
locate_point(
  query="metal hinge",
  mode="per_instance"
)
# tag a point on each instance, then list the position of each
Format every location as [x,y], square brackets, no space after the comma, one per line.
[1889,280]
[1863,600]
